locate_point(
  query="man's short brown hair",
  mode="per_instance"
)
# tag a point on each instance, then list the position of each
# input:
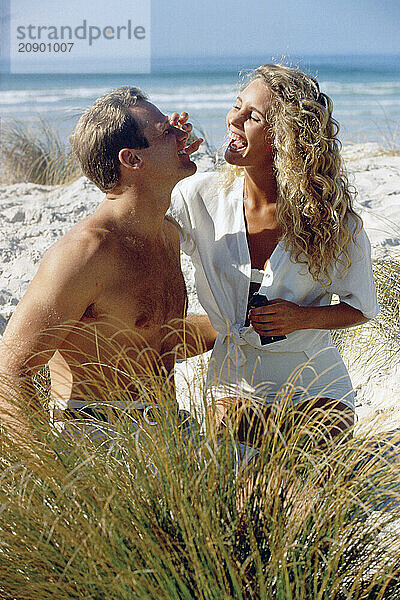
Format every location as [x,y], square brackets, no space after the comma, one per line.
[103,130]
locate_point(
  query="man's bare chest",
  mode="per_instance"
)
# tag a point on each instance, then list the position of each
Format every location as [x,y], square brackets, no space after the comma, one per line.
[147,291]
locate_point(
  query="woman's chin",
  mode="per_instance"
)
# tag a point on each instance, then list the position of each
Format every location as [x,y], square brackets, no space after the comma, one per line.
[233,158]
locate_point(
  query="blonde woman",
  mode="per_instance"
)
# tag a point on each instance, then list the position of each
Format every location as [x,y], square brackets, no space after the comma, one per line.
[281,224]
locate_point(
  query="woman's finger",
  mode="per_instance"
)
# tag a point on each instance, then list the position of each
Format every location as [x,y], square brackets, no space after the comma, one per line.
[262,317]
[262,321]
[183,117]
[174,118]
[180,120]
[185,126]
[194,146]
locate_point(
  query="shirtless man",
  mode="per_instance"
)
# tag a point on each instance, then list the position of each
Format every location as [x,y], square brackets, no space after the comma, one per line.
[115,274]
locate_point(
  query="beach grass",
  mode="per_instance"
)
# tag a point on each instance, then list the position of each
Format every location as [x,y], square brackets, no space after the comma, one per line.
[156,518]
[378,341]
[35,154]
[132,509]
[389,134]
[206,148]
[153,516]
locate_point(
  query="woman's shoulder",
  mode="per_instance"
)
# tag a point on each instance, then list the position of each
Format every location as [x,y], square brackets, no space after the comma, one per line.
[356,229]
[354,222]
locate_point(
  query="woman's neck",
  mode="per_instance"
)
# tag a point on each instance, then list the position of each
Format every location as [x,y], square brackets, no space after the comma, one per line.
[260,188]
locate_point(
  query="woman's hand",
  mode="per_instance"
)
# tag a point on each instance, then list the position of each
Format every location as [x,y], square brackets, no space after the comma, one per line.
[279,317]
[180,121]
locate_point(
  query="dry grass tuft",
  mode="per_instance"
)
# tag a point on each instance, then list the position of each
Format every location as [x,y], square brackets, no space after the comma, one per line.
[35,154]
[379,339]
[390,136]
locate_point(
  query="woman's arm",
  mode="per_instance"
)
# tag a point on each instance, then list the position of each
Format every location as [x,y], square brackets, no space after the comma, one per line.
[335,316]
[281,317]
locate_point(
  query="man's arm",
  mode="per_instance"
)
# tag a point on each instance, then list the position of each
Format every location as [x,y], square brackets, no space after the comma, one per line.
[201,335]
[194,336]
[197,335]
[68,280]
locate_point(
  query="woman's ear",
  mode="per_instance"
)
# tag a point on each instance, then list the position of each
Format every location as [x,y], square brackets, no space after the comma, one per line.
[130,159]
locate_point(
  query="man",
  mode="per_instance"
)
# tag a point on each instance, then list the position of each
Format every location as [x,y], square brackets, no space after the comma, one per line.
[99,308]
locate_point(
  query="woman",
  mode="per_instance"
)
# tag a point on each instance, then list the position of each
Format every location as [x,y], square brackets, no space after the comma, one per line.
[281,222]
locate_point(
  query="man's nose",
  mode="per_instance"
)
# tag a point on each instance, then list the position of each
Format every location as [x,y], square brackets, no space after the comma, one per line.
[180,134]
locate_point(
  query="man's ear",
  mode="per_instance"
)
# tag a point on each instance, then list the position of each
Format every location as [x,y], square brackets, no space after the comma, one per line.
[130,159]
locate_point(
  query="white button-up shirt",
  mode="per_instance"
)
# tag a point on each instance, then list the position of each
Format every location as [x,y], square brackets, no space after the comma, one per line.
[213,232]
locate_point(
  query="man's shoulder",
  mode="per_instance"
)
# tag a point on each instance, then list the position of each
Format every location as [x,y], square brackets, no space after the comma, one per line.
[83,247]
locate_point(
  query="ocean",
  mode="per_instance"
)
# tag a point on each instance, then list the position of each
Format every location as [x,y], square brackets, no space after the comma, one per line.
[365,91]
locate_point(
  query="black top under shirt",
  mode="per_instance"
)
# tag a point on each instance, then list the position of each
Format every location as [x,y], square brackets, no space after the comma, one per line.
[255,284]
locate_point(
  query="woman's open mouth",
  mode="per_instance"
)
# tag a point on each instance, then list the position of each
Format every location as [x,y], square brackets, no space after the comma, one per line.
[237,143]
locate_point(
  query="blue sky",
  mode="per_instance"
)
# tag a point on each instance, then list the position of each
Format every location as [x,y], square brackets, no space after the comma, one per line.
[210,28]
[292,27]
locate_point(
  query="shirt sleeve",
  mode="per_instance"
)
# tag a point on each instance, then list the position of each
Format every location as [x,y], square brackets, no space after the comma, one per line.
[357,287]
[178,211]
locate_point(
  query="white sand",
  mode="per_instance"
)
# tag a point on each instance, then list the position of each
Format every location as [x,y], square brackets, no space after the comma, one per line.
[34,216]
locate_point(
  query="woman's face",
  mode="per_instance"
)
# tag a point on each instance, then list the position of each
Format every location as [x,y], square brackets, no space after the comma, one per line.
[249,136]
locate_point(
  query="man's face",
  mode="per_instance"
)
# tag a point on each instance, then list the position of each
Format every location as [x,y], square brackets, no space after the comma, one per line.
[165,156]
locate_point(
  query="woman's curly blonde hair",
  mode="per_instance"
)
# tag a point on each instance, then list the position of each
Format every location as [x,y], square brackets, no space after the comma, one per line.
[314,195]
